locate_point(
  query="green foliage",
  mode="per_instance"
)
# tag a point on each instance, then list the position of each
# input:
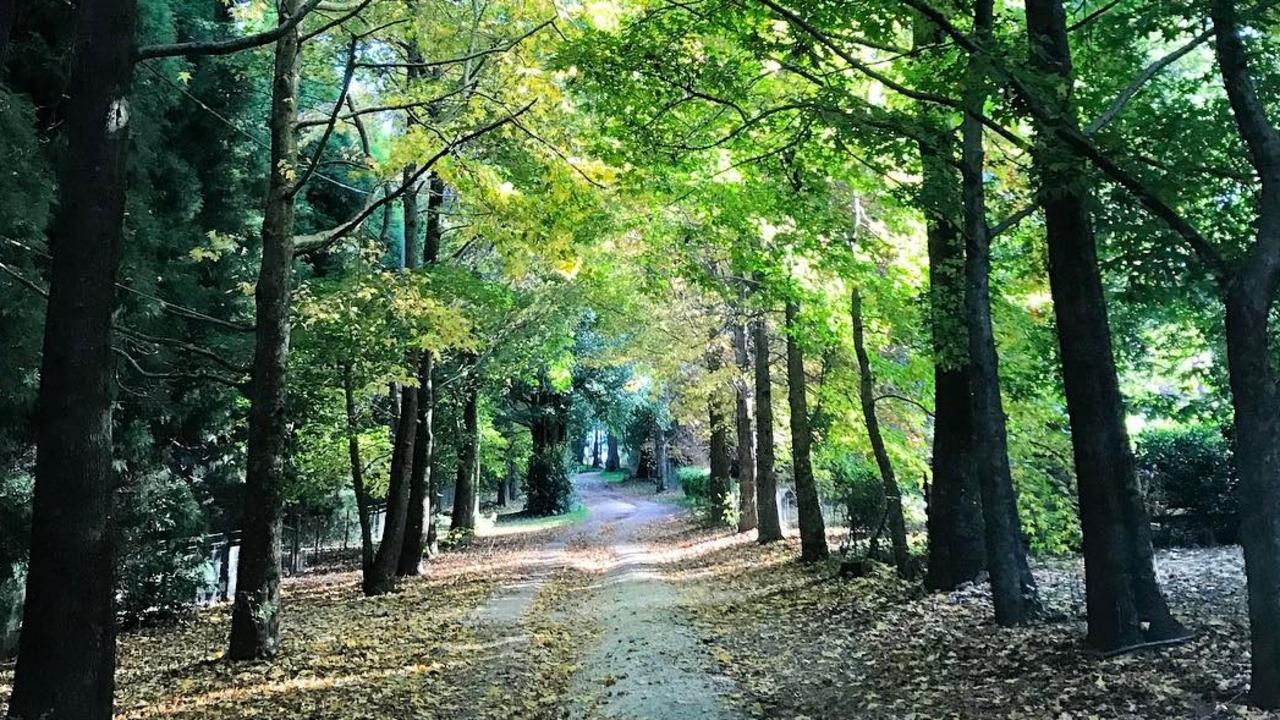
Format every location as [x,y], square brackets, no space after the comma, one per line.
[855,483]
[1189,470]
[161,558]
[694,482]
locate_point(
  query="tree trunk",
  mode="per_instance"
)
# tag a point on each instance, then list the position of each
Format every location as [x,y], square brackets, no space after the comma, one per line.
[255,616]
[1013,589]
[957,553]
[466,497]
[1120,584]
[502,488]
[769,525]
[1257,409]
[547,486]
[386,563]
[866,391]
[1250,294]
[595,448]
[421,506]
[745,437]
[718,485]
[357,476]
[66,656]
[612,461]
[813,531]
[660,456]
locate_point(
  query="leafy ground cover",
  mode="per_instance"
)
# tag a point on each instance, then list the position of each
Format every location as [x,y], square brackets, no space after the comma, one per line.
[805,644]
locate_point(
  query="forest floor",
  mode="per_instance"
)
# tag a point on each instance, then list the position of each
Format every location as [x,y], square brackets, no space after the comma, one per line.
[628,610]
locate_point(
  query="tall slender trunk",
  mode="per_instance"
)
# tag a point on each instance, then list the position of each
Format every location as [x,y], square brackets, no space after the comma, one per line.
[612,462]
[769,524]
[421,507]
[745,435]
[813,531]
[1120,585]
[1013,589]
[718,483]
[957,552]
[1249,293]
[255,616]
[660,456]
[866,391]
[66,655]
[357,474]
[595,448]
[386,563]
[466,496]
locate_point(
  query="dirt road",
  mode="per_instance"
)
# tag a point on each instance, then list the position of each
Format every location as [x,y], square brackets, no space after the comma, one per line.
[645,663]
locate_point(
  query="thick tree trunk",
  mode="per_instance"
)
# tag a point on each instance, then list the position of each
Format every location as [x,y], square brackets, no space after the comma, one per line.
[66,656]
[612,462]
[1120,584]
[386,563]
[769,524]
[1250,295]
[466,495]
[357,476]
[255,617]
[1257,426]
[957,553]
[718,485]
[502,490]
[421,507]
[547,488]
[1013,589]
[813,531]
[892,493]
[745,434]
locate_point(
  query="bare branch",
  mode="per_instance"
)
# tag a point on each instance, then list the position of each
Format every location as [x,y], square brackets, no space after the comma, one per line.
[227,47]
[333,120]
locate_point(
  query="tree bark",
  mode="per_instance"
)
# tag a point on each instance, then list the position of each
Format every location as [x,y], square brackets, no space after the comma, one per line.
[547,486]
[595,448]
[255,616]
[746,440]
[1013,589]
[660,456]
[1120,584]
[813,531]
[66,656]
[357,475]
[866,391]
[421,506]
[466,496]
[612,462]
[957,553]
[718,484]
[386,563]
[769,525]
[1249,294]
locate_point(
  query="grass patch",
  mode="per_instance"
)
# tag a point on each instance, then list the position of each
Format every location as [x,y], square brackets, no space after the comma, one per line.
[613,477]
[520,523]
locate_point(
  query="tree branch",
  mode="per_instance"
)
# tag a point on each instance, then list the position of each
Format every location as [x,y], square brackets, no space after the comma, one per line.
[320,241]
[333,120]
[226,47]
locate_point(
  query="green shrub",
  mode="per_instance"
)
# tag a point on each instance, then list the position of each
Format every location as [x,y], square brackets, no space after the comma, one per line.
[856,483]
[1190,483]
[695,482]
[161,563]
